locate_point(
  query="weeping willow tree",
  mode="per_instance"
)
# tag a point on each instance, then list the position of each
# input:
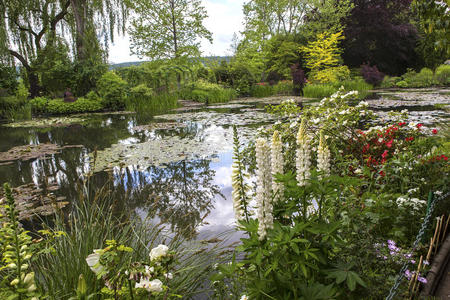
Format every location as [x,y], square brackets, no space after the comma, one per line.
[27,28]
[30,29]
[94,22]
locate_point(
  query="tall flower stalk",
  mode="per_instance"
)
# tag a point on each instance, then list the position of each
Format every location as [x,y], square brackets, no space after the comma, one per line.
[323,157]
[303,159]
[277,165]
[263,188]
[240,188]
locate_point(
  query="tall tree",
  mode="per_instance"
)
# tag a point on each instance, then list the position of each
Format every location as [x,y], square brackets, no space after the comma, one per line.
[95,21]
[26,29]
[379,32]
[167,28]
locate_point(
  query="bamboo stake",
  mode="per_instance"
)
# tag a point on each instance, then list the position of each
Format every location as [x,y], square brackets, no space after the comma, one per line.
[438,226]
[435,233]
[417,277]
[444,234]
[430,249]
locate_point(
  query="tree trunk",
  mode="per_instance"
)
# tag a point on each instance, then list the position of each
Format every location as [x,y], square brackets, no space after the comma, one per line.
[175,38]
[79,8]
[33,79]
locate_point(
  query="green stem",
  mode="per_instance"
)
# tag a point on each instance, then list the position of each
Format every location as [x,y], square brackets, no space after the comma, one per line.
[131,289]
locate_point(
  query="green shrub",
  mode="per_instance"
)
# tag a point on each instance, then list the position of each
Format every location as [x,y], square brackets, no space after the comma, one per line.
[112,90]
[442,75]
[58,106]
[422,79]
[8,80]
[330,75]
[389,82]
[402,84]
[93,96]
[283,87]
[206,92]
[14,108]
[39,105]
[262,89]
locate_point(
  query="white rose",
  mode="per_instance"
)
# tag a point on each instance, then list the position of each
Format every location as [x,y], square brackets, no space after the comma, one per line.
[158,252]
[93,261]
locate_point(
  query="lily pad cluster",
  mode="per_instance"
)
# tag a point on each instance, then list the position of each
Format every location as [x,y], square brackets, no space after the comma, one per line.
[47,122]
[32,200]
[28,152]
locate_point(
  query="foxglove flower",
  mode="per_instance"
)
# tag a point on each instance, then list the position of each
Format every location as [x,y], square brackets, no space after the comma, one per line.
[303,160]
[277,165]
[263,187]
[323,157]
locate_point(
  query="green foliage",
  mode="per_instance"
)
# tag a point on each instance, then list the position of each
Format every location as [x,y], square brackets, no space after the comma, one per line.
[326,90]
[442,74]
[389,82]
[39,105]
[16,254]
[112,90]
[58,106]
[8,80]
[14,108]
[155,19]
[206,92]
[330,75]
[147,102]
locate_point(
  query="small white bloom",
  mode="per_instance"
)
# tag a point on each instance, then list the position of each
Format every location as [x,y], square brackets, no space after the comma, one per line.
[151,286]
[244,297]
[158,252]
[168,275]
[93,261]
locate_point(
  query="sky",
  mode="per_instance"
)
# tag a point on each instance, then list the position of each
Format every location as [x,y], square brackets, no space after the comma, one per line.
[224,19]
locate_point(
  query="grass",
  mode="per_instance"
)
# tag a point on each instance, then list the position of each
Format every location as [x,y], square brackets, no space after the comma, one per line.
[91,222]
[153,104]
[281,88]
[326,90]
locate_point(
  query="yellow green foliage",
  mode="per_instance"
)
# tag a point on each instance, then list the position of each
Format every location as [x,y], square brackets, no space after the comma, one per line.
[324,52]
[330,75]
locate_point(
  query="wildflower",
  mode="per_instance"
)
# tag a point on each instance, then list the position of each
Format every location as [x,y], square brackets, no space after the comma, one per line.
[323,156]
[422,279]
[93,261]
[434,131]
[263,188]
[277,164]
[244,297]
[158,252]
[303,160]
[419,125]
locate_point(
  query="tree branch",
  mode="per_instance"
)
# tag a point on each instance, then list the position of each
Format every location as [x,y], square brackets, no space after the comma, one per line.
[20,58]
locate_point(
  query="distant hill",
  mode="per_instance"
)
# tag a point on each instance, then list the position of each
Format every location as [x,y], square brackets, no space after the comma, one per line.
[137,63]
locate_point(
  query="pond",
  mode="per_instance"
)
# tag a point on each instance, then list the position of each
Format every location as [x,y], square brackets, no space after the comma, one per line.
[174,168]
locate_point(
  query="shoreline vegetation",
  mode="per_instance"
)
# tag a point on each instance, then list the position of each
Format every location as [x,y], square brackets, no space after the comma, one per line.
[334,199]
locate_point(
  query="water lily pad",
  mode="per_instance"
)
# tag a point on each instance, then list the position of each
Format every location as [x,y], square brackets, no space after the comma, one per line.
[27,152]
[32,200]
[165,125]
[47,122]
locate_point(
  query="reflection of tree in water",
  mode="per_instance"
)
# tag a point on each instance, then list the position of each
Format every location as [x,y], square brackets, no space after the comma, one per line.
[180,194]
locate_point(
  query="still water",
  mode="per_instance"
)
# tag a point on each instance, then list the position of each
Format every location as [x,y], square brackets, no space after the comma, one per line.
[174,168]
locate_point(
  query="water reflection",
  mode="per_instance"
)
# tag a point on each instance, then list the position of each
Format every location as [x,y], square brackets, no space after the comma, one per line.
[180,194]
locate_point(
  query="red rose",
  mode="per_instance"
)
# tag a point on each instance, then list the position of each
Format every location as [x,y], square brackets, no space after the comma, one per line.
[419,125]
[434,131]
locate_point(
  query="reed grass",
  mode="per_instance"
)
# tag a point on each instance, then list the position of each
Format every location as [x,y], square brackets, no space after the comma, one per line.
[153,104]
[91,222]
[325,90]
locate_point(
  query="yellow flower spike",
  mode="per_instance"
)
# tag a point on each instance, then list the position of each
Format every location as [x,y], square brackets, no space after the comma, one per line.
[15,282]
[29,278]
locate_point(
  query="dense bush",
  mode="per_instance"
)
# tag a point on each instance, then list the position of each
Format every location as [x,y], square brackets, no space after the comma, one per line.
[206,92]
[8,80]
[372,75]
[330,75]
[389,82]
[39,105]
[112,90]
[242,80]
[442,74]
[14,107]
[58,106]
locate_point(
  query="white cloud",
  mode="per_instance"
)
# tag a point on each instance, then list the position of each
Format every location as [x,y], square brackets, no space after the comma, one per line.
[224,19]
